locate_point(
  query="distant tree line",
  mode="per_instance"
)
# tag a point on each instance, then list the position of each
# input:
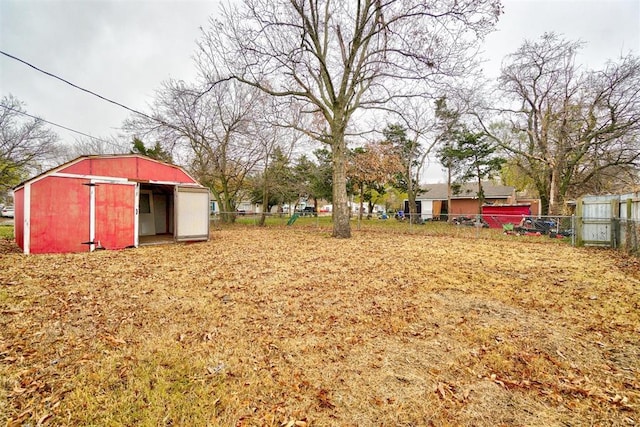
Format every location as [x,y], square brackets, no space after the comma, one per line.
[335,101]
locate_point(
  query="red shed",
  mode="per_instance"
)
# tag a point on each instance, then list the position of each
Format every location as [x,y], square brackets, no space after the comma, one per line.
[110,202]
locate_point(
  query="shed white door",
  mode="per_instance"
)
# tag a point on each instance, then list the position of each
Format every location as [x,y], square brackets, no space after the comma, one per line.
[191,206]
[146,220]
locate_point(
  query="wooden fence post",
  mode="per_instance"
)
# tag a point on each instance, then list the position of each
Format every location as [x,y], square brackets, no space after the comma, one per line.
[615,223]
[631,242]
[578,231]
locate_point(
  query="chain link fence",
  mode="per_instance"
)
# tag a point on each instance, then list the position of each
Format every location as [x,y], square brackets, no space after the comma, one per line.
[622,233]
[465,225]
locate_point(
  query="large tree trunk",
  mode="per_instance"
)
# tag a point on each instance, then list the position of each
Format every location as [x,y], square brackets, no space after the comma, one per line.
[265,203]
[554,193]
[229,206]
[413,208]
[411,196]
[480,192]
[544,201]
[228,212]
[542,188]
[341,224]
[449,194]
[225,206]
[361,207]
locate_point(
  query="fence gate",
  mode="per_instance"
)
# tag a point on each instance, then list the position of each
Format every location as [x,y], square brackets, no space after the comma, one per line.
[598,221]
[630,222]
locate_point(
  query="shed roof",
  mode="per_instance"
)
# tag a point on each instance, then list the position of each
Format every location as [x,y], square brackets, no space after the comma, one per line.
[467,191]
[69,166]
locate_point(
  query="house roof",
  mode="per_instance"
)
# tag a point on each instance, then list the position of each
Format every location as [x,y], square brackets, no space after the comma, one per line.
[467,191]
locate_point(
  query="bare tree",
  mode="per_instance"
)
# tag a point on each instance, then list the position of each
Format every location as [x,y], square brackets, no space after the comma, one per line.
[419,136]
[569,128]
[85,146]
[25,143]
[213,133]
[339,57]
[277,141]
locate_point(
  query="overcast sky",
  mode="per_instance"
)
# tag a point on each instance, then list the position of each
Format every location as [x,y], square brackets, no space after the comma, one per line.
[123,50]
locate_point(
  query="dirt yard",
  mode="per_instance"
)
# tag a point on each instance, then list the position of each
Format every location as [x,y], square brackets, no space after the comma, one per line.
[275,327]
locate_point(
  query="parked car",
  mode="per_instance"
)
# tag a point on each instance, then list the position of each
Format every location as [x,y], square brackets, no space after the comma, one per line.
[308,211]
[7,212]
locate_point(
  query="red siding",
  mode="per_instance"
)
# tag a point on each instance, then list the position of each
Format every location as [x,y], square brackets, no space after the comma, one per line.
[18,228]
[148,170]
[122,167]
[468,207]
[79,168]
[115,215]
[59,215]
[460,207]
[133,168]
[184,178]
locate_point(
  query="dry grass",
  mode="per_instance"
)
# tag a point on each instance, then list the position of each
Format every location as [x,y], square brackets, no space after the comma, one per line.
[290,327]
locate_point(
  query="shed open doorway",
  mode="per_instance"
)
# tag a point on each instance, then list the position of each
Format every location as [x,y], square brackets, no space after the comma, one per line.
[172,213]
[155,217]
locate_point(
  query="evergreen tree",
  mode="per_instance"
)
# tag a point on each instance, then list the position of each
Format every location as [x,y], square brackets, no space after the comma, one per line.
[473,157]
[410,153]
[157,152]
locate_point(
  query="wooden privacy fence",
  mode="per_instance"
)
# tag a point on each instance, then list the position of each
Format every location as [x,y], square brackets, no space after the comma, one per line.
[610,221]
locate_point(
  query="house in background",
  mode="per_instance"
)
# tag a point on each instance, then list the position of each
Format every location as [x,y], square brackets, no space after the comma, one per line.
[432,202]
[109,202]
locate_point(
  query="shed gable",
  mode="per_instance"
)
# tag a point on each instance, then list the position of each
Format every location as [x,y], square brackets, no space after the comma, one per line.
[134,168]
